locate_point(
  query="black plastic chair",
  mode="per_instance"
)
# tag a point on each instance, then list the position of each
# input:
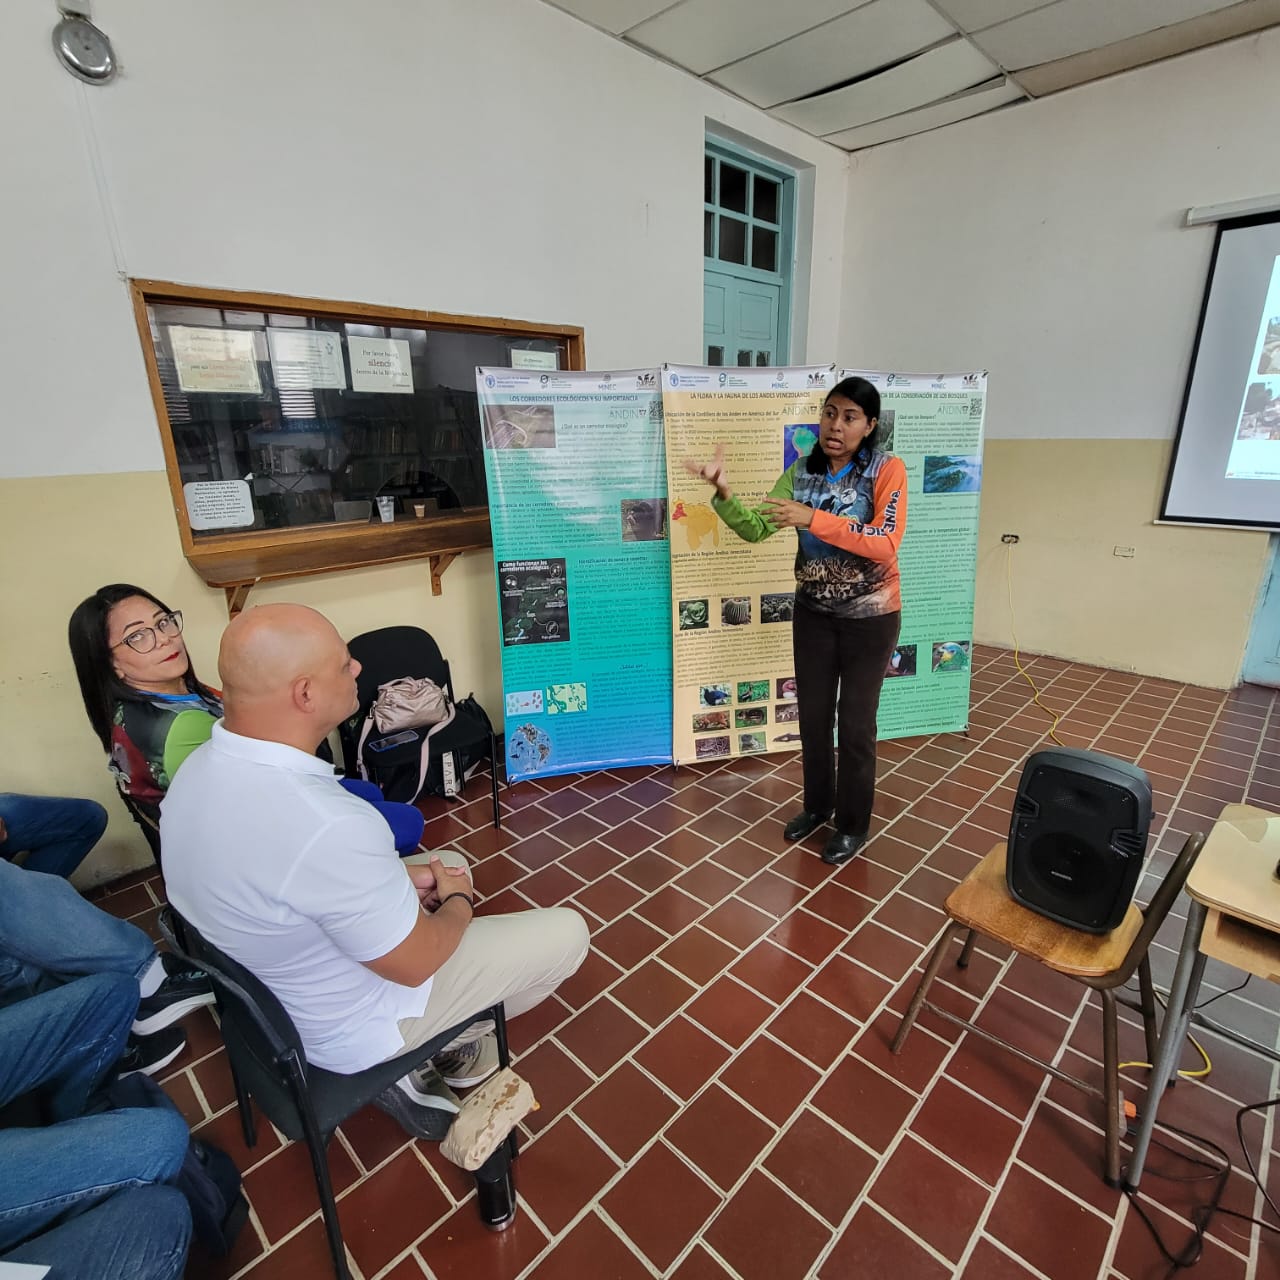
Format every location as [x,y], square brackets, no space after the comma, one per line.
[148,819]
[269,1066]
[392,653]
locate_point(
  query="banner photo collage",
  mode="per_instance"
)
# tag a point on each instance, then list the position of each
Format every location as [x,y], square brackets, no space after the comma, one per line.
[577,503]
[636,627]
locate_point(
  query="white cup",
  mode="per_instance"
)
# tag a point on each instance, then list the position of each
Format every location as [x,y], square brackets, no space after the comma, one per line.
[420,509]
[387,509]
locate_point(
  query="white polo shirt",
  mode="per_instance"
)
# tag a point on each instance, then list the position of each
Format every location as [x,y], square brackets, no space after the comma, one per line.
[298,880]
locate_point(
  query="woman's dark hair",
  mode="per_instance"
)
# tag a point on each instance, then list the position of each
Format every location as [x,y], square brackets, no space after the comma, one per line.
[867,398]
[100,687]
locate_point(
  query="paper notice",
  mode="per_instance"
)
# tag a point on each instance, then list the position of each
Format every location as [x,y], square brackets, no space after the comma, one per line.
[219,504]
[306,360]
[215,360]
[380,364]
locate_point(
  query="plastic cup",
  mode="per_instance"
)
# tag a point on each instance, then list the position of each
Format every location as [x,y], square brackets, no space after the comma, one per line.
[387,509]
[420,509]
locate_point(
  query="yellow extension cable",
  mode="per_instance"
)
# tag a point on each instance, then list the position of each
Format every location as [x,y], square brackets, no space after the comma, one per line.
[1053,735]
[1017,657]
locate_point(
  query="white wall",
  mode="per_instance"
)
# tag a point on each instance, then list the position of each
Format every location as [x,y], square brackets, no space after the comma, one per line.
[490,157]
[1044,242]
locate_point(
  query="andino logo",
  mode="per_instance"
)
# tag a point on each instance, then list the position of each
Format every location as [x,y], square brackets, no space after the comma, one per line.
[970,381]
[817,379]
[490,380]
[645,382]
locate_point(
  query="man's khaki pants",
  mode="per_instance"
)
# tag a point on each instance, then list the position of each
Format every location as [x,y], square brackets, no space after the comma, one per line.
[518,959]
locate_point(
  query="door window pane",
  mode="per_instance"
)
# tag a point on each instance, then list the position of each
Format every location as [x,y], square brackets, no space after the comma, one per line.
[733,240]
[733,188]
[708,180]
[708,234]
[766,201]
[744,359]
[762,359]
[715,355]
[764,249]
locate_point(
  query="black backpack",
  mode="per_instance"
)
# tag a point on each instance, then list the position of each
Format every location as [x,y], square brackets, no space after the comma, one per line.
[208,1178]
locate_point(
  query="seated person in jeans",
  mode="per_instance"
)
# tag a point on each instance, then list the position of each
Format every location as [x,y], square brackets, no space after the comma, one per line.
[55,834]
[284,871]
[49,935]
[150,711]
[81,1195]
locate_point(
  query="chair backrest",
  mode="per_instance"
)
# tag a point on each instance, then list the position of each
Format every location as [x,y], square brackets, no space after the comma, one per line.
[262,1042]
[1158,908]
[148,820]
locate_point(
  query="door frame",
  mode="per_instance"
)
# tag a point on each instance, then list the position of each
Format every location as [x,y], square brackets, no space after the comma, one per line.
[743,156]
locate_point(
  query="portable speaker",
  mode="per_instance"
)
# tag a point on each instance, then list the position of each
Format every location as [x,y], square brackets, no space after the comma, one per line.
[1078,836]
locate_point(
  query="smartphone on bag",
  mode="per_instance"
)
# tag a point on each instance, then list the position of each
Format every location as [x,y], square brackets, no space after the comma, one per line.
[385,744]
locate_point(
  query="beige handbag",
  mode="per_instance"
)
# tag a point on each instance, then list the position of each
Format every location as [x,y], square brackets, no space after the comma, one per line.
[412,702]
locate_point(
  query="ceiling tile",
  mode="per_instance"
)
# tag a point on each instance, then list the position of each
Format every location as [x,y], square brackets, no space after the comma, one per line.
[973,15]
[873,36]
[1151,46]
[927,78]
[1072,26]
[612,15]
[704,34]
[961,107]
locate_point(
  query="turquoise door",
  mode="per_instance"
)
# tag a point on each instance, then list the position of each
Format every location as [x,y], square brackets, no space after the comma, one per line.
[1262,658]
[747,255]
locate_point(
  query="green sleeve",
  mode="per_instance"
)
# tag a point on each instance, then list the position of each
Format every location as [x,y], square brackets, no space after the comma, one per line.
[750,523]
[188,730]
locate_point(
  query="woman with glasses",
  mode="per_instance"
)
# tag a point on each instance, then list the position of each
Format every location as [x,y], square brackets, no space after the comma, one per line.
[150,711]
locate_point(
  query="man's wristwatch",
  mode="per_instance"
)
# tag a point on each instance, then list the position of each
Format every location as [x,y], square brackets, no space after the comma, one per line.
[466,897]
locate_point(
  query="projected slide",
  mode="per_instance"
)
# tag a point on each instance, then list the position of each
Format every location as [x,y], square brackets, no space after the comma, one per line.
[1255,452]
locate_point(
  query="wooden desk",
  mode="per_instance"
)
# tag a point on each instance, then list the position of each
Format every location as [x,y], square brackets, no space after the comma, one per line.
[1234,916]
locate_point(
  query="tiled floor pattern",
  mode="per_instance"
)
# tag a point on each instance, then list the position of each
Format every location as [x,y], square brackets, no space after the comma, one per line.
[718,1098]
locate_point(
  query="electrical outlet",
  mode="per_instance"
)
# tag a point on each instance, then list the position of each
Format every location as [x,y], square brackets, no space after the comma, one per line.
[1009,538]
[1125,553]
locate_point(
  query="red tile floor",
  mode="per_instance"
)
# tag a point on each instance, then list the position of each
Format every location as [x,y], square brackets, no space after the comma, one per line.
[718,1098]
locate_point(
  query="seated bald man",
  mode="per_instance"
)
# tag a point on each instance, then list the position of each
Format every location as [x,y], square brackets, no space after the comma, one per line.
[299,880]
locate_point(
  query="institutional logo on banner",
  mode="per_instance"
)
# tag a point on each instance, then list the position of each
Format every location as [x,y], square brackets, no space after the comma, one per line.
[578,507]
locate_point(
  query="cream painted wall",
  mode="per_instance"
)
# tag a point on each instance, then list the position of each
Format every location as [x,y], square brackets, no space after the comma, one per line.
[492,157]
[1044,243]
[1179,608]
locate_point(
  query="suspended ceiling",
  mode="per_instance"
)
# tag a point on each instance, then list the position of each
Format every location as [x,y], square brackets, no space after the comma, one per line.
[861,72]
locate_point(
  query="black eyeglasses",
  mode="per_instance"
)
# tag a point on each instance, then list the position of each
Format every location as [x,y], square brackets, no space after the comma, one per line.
[144,639]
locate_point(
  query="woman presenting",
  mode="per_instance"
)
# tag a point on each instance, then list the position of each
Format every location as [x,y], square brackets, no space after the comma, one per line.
[847,502]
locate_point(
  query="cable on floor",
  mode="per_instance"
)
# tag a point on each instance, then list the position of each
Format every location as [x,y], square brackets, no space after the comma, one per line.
[1055,716]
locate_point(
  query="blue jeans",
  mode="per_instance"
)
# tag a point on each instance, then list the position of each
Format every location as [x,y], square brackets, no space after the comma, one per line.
[54,834]
[140,1233]
[48,932]
[64,1042]
[405,821]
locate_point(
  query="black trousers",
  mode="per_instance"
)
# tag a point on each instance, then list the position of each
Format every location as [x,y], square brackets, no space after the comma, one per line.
[840,665]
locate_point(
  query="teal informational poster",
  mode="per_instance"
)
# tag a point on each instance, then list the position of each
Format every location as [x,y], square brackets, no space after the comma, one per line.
[578,505]
[933,422]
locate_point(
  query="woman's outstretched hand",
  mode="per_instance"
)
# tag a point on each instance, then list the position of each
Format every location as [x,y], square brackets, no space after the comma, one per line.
[712,472]
[783,513]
